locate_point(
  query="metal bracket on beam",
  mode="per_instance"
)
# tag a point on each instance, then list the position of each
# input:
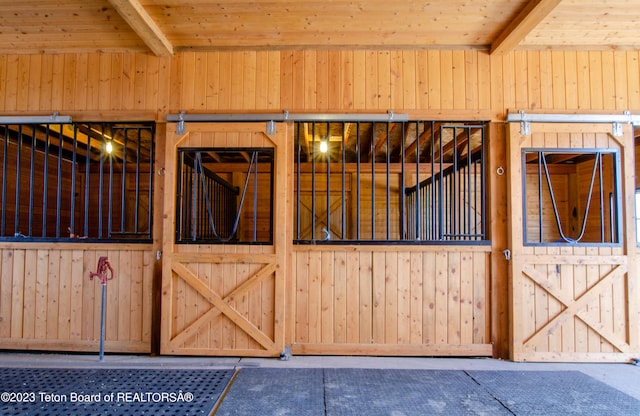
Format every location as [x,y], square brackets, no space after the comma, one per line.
[616,129]
[180,128]
[271,127]
[525,126]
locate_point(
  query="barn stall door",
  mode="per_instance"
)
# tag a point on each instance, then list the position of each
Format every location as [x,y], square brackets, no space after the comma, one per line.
[224,298]
[574,289]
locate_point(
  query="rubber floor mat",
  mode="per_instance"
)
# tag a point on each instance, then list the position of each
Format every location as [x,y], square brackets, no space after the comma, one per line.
[275,391]
[555,393]
[406,392]
[54,392]
[378,392]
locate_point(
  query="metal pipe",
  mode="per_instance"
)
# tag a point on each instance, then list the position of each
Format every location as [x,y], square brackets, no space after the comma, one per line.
[343,218]
[53,118]
[104,273]
[417,199]
[72,202]
[441,179]
[123,182]
[373,180]
[87,183]
[328,177]
[612,223]
[45,182]
[255,200]
[602,209]
[298,151]
[455,184]
[358,181]
[101,182]
[32,171]
[540,201]
[388,197]
[573,118]
[194,204]
[403,226]
[103,317]
[286,116]
[137,176]
[468,193]
[313,180]
[110,201]
[3,214]
[16,215]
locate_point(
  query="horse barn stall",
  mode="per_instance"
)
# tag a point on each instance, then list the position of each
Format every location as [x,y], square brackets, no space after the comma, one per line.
[398,190]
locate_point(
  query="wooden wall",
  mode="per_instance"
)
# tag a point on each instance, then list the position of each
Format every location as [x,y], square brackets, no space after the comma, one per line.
[391,301]
[466,81]
[431,83]
[47,301]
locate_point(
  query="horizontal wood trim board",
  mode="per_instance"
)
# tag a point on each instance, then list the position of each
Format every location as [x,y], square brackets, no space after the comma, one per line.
[206,352]
[596,357]
[74,346]
[571,259]
[434,248]
[223,258]
[13,245]
[444,350]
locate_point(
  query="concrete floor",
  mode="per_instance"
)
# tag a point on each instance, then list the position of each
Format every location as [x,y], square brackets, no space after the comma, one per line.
[624,377]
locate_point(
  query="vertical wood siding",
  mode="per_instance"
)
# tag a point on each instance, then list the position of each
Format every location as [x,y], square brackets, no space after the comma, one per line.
[400,301]
[355,80]
[460,84]
[47,301]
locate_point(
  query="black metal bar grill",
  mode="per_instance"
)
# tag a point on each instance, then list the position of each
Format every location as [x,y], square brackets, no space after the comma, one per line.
[576,216]
[76,181]
[396,181]
[204,198]
[449,205]
[222,196]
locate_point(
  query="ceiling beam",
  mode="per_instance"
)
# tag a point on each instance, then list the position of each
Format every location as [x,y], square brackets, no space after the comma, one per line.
[144,26]
[532,14]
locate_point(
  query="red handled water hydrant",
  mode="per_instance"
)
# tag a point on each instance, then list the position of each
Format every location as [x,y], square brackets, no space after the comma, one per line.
[101,273]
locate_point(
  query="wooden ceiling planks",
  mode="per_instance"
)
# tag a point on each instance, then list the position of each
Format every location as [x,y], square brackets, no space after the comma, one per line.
[588,24]
[284,24]
[167,26]
[63,26]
